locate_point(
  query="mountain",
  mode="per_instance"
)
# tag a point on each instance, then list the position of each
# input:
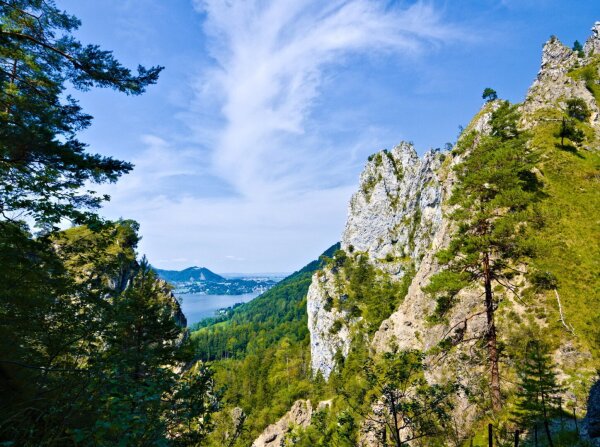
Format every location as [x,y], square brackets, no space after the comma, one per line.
[200,280]
[190,274]
[251,345]
[465,290]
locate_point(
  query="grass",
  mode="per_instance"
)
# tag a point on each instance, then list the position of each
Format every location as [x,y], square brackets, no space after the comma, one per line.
[569,242]
[589,74]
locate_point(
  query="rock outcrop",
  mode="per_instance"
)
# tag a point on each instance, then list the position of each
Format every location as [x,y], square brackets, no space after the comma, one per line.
[392,218]
[397,206]
[592,45]
[325,342]
[274,435]
[554,86]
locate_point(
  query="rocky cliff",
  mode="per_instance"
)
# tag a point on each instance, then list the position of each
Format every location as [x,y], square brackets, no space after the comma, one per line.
[397,220]
[392,219]
[396,216]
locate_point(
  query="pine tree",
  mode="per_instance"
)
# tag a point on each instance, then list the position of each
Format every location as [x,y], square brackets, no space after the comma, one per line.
[402,403]
[43,165]
[493,195]
[538,388]
[489,94]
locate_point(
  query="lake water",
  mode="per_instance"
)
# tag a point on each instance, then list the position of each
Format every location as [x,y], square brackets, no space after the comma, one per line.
[196,307]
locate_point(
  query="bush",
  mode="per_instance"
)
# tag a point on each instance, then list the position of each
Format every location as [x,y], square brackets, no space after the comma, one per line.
[578,109]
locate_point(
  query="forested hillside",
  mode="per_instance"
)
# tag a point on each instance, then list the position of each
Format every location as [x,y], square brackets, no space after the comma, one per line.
[260,353]
[93,347]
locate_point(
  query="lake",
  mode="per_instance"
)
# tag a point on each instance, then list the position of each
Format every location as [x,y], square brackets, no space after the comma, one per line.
[196,307]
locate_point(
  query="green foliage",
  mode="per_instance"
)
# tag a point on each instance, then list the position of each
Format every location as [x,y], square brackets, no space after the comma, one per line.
[494,199]
[543,281]
[411,409]
[589,74]
[570,215]
[505,121]
[537,388]
[465,142]
[489,94]
[495,191]
[367,292]
[261,353]
[96,335]
[578,109]
[578,48]
[44,165]
[445,286]
[570,131]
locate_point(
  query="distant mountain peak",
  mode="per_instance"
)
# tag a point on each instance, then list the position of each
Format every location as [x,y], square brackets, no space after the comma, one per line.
[190,274]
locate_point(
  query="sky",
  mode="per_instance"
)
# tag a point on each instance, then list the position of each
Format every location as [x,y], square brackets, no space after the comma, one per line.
[250,146]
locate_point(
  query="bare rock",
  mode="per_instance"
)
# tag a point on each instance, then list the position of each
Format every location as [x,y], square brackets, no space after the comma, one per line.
[592,46]
[274,435]
[325,342]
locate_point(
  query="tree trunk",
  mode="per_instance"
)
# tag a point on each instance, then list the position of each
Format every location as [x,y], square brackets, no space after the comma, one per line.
[546,424]
[491,338]
[547,427]
[396,435]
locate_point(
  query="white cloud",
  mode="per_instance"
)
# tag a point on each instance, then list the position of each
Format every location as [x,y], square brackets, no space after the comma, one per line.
[290,183]
[271,60]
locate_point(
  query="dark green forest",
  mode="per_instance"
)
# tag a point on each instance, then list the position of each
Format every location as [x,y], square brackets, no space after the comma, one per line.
[93,348]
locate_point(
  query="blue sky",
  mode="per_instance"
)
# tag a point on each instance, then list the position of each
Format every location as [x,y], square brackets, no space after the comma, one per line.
[248,149]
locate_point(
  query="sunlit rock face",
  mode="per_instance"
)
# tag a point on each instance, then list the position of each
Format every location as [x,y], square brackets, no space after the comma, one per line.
[592,45]
[392,218]
[397,206]
[553,85]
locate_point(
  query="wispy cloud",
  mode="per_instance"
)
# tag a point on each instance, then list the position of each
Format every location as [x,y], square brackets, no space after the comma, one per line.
[282,178]
[272,58]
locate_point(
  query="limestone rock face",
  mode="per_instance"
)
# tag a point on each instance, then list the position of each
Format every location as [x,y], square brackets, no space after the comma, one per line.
[325,342]
[392,218]
[408,327]
[553,86]
[397,205]
[592,46]
[274,435]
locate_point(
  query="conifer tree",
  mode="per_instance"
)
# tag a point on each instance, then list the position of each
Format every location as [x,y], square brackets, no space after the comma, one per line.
[43,165]
[402,403]
[493,194]
[538,388]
